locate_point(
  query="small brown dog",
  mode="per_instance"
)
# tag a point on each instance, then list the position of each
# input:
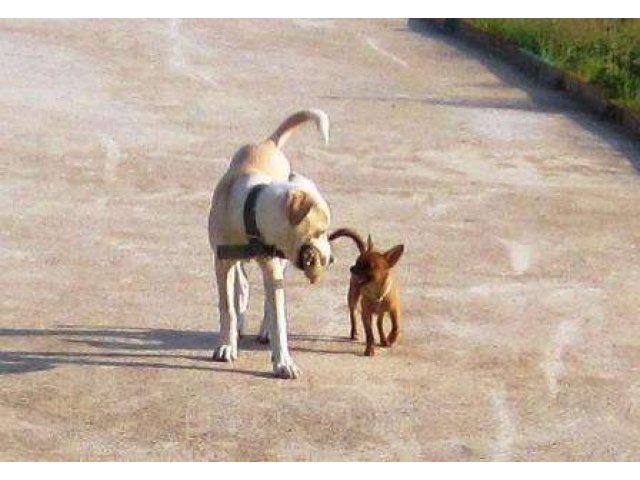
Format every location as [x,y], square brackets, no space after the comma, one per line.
[373,287]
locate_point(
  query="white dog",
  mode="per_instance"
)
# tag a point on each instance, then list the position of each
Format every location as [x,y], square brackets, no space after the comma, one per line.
[261,210]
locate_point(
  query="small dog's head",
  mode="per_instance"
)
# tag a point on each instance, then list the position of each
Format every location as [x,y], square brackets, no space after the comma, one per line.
[373,266]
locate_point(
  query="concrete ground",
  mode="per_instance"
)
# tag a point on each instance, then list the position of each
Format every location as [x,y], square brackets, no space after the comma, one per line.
[519,211]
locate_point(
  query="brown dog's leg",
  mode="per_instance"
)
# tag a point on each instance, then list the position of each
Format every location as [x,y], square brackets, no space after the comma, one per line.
[383,338]
[354,328]
[367,320]
[352,299]
[395,329]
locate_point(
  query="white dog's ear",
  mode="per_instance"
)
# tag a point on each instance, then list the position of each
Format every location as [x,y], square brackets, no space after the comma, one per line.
[298,205]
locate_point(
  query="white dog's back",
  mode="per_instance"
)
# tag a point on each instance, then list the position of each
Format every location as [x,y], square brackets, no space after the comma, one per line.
[266,157]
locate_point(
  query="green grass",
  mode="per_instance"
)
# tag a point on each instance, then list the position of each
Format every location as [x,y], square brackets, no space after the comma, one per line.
[605,52]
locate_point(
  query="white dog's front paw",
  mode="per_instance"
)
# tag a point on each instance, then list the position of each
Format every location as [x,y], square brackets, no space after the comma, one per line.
[286,369]
[225,353]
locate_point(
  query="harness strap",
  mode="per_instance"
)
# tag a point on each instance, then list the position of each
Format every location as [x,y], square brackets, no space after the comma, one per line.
[256,247]
[249,214]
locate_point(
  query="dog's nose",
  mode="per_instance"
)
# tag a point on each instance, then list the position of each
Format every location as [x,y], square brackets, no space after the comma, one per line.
[331,259]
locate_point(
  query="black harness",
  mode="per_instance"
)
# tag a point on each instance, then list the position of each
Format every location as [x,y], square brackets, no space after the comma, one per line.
[256,246]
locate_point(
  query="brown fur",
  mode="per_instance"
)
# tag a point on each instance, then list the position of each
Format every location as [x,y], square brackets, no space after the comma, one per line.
[371,276]
[347,232]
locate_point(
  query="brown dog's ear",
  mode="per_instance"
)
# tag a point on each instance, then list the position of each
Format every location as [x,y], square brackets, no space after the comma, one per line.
[299,203]
[369,243]
[393,255]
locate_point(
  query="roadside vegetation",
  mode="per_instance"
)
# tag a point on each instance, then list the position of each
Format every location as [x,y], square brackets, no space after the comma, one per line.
[604,52]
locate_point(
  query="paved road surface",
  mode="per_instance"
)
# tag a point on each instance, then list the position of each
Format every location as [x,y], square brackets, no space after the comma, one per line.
[520,214]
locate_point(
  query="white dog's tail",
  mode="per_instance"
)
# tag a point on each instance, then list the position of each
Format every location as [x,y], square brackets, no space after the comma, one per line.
[284,131]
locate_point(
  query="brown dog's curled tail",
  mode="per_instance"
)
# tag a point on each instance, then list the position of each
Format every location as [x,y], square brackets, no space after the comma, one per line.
[347,232]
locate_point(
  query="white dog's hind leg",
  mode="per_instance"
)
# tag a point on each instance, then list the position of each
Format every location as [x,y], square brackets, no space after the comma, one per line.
[227,349]
[263,334]
[273,273]
[241,296]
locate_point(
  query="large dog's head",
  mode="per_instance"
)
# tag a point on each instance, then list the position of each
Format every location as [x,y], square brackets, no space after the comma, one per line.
[308,246]
[294,217]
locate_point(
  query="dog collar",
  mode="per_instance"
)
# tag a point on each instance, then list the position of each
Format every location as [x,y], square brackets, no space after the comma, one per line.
[378,297]
[256,246]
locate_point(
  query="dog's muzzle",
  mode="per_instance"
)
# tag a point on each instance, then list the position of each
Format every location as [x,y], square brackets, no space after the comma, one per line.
[310,262]
[360,276]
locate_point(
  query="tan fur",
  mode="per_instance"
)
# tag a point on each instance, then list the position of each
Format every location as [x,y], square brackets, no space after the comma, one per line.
[265,158]
[299,203]
[292,215]
[286,128]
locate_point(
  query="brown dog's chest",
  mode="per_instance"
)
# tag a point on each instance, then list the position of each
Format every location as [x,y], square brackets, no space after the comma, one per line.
[378,298]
